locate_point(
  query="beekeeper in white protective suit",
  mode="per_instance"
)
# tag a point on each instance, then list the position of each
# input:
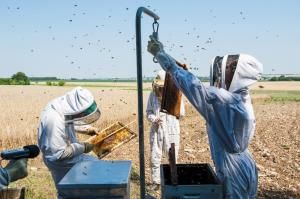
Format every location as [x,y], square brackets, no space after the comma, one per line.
[226,107]
[164,127]
[56,135]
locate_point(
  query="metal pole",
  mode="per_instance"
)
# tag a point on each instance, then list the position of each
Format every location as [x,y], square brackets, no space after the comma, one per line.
[140,93]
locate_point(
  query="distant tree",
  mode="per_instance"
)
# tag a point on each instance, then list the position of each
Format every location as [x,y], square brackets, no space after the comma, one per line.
[61,83]
[49,83]
[274,79]
[281,78]
[20,78]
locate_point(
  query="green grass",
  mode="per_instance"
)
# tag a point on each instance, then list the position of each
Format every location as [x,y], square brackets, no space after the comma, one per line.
[118,87]
[280,95]
[99,85]
[102,86]
[95,84]
[38,184]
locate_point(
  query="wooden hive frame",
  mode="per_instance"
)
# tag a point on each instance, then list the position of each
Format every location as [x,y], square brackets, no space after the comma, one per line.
[111,138]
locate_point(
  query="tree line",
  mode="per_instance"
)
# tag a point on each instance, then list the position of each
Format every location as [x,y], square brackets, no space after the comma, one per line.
[21,78]
[16,79]
[284,78]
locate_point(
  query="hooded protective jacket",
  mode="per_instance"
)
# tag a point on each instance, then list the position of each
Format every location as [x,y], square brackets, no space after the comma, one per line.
[55,135]
[229,119]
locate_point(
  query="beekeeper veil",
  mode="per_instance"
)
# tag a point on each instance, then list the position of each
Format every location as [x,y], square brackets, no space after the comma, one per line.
[79,107]
[158,83]
[216,72]
[234,72]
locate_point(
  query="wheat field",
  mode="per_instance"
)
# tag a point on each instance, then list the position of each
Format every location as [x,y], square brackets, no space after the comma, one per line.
[275,146]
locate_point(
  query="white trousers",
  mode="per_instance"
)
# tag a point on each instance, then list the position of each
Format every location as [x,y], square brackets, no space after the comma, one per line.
[156,146]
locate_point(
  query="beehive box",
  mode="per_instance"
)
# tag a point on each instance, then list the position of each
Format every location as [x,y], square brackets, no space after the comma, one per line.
[96,179]
[194,181]
[110,138]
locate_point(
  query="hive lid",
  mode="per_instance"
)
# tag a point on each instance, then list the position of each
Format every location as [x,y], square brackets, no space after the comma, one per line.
[97,174]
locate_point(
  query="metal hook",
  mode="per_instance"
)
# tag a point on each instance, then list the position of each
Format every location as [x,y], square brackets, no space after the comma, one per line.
[155,34]
[153,26]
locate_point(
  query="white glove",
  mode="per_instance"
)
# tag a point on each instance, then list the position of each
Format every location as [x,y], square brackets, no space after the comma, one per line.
[92,130]
[16,169]
[86,129]
[154,46]
[165,60]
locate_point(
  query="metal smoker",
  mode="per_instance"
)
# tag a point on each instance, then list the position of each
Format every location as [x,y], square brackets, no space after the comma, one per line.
[178,181]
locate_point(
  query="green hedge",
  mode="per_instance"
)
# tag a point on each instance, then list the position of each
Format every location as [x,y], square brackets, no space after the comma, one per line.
[5,81]
[283,78]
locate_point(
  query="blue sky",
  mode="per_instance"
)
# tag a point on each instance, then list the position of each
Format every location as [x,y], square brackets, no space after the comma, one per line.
[96,39]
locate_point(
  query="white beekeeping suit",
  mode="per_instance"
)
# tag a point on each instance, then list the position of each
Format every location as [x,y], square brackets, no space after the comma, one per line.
[56,135]
[229,117]
[165,128]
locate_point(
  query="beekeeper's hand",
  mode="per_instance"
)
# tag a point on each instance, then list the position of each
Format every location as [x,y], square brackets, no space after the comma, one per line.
[158,121]
[86,129]
[92,130]
[16,169]
[154,46]
[88,147]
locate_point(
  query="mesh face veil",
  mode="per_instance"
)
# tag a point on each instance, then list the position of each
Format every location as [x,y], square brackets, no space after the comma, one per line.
[158,90]
[88,116]
[216,72]
[158,84]
[222,70]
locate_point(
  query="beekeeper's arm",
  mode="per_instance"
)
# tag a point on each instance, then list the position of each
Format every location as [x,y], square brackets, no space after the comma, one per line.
[190,85]
[151,115]
[57,141]
[207,100]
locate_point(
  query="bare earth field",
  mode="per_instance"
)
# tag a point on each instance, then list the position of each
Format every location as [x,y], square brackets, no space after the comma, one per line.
[275,147]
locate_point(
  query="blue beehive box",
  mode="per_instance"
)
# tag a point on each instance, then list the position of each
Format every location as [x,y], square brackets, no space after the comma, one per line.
[194,181]
[97,179]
